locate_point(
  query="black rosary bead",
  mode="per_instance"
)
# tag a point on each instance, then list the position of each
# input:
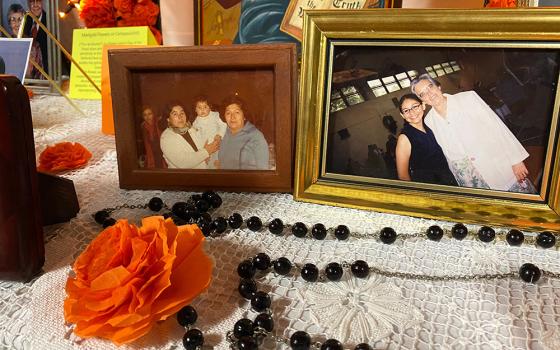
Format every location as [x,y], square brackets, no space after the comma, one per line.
[243,328]
[434,233]
[360,269]
[515,237]
[486,234]
[219,225]
[261,261]
[342,232]
[101,216]
[204,217]
[215,201]
[276,226]
[529,273]
[246,269]
[247,288]
[109,222]
[459,231]
[300,340]
[202,205]
[299,229]
[363,346]
[212,198]
[180,209]
[155,204]
[254,223]
[546,239]
[192,214]
[247,343]
[331,344]
[334,271]
[264,321]
[167,215]
[310,272]
[192,339]
[319,231]
[187,316]
[195,197]
[260,301]
[282,266]
[387,235]
[205,227]
[235,221]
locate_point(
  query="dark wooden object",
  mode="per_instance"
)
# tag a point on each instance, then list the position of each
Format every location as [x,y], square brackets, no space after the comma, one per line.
[22,251]
[59,202]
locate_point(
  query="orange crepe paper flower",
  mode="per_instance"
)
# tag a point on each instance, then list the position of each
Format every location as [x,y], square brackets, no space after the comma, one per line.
[128,278]
[502,3]
[63,156]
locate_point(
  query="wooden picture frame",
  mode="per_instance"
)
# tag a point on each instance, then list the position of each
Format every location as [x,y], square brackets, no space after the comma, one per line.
[262,76]
[337,53]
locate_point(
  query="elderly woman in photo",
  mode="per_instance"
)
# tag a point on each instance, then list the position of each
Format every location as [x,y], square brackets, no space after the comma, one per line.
[419,157]
[480,150]
[181,145]
[15,18]
[243,146]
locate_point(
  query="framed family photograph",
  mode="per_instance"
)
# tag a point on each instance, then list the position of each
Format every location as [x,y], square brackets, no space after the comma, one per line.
[454,119]
[217,117]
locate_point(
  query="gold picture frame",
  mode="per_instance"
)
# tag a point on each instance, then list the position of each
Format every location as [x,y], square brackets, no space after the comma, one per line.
[330,37]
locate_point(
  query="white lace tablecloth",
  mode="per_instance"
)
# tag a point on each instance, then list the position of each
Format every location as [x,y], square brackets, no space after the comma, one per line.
[389,313]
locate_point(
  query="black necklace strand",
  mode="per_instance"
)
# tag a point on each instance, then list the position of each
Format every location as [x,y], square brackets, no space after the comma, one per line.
[196,211]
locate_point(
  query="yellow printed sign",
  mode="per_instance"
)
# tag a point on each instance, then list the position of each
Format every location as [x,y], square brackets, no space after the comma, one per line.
[87,49]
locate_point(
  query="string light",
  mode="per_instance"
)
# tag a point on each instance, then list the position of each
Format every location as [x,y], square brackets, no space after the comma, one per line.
[70,5]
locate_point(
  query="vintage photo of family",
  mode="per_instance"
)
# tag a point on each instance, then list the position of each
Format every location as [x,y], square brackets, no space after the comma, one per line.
[210,120]
[469,117]
[14,11]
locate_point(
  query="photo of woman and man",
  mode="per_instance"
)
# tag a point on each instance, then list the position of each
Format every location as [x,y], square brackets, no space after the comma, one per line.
[14,13]
[219,132]
[477,118]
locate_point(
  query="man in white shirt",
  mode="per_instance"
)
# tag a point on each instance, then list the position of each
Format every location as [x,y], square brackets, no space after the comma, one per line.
[480,150]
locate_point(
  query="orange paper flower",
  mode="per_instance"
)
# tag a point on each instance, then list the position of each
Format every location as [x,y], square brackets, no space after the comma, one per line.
[63,156]
[502,3]
[128,278]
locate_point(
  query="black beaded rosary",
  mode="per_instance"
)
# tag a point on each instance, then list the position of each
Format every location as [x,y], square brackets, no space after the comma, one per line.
[196,211]
[249,334]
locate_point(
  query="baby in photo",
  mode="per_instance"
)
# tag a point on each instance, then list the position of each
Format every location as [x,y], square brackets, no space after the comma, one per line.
[209,125]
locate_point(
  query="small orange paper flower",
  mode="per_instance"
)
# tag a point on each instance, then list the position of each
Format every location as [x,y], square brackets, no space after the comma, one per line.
[128,278]
[63,156]
[502,3]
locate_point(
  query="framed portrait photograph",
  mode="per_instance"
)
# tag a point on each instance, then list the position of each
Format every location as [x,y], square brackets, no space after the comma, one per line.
[216,117]
[454,119]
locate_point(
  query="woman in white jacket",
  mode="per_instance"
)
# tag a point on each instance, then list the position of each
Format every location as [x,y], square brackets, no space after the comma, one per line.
[480,150]
[181,145]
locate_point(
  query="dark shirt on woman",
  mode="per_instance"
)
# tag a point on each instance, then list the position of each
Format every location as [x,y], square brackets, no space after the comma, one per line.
[427,162]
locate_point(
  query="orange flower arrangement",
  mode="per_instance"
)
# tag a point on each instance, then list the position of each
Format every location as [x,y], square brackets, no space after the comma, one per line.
[120,13]
[63,156]
[128,278]
[501,3]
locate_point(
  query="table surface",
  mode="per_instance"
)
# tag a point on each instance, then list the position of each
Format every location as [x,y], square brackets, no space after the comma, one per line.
[386,312]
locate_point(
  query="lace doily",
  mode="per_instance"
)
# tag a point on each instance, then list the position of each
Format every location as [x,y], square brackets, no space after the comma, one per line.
[389,313]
